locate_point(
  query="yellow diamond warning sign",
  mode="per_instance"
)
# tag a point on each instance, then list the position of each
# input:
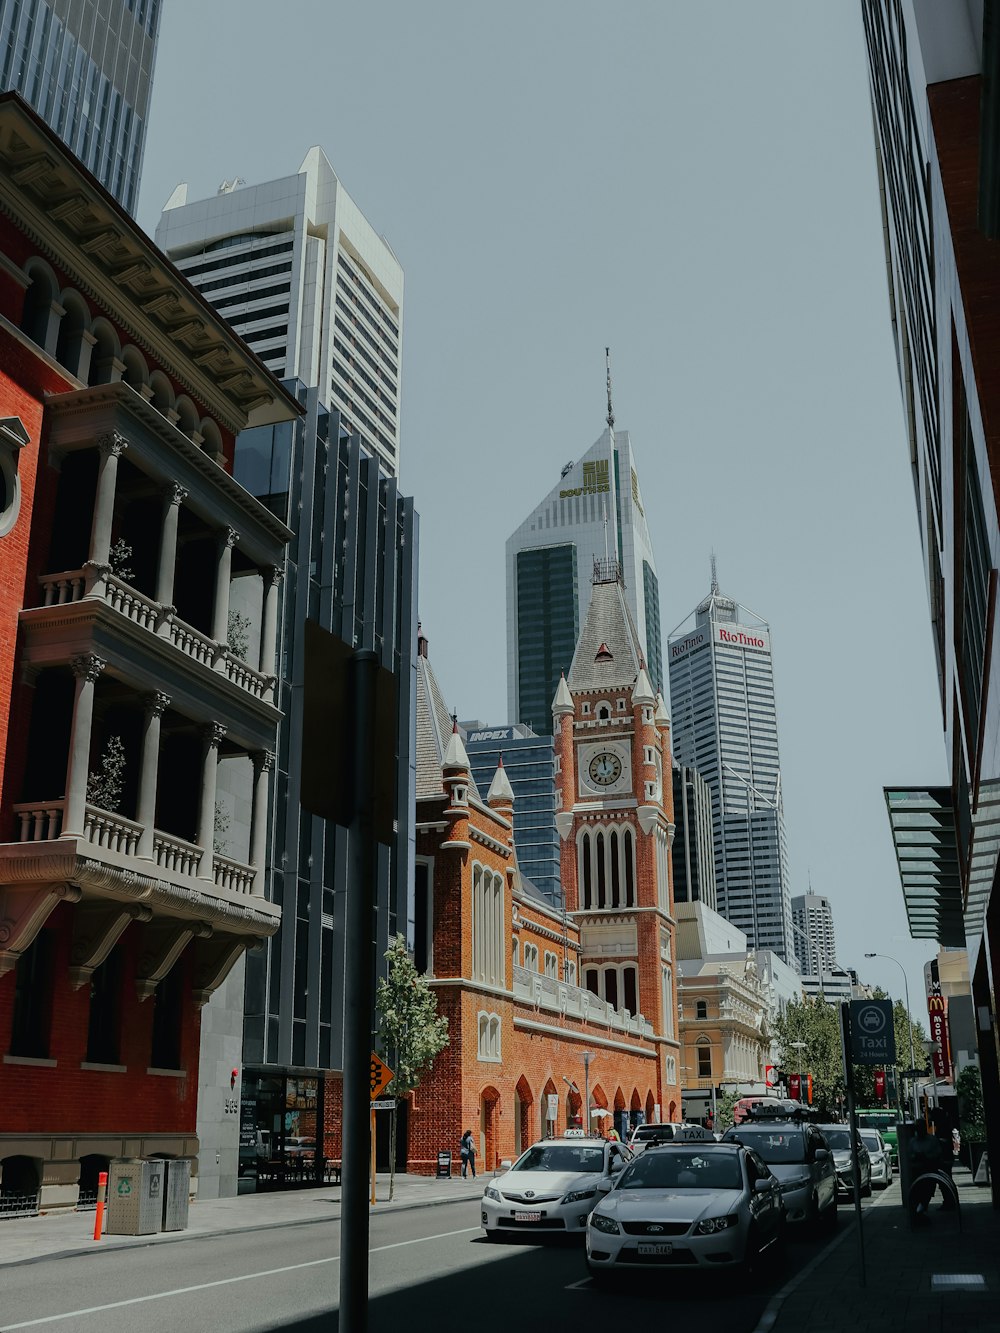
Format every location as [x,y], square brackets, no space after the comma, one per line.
[381,1076]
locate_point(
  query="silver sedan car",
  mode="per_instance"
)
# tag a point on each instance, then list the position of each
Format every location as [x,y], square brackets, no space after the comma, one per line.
[881,1157]
[552,1187]
[688,1205]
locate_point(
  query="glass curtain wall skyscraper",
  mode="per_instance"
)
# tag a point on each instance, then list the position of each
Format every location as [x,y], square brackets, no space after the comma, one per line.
[87,70]
[303,277]
[595,511]
[725,726]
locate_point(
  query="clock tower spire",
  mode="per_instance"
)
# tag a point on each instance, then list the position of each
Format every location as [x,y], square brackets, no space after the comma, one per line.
[615,822]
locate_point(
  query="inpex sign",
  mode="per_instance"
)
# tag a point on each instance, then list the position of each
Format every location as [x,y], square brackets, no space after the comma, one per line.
[496,734]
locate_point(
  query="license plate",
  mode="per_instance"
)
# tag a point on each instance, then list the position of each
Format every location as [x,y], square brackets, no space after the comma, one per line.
[656,1250]
[527,1217]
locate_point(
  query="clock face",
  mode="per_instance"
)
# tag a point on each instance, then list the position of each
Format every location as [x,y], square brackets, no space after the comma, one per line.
[605,769]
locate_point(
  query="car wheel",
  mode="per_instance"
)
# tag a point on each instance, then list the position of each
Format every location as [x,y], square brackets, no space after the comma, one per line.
[866,1193]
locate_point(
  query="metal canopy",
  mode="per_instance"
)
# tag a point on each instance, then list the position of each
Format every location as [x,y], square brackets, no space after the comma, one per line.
[922,820]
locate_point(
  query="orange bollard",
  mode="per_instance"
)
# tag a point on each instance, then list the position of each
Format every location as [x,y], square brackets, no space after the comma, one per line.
[102,1189]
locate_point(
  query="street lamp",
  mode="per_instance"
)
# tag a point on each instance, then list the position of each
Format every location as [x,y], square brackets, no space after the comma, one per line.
[909,1023]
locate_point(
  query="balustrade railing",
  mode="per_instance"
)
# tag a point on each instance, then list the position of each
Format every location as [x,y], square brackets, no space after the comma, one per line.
[562,997]
[38,821]
[115,832]
[58,589]
[233,875]
[137,607]
[191,641]
[240,674]
[176,855]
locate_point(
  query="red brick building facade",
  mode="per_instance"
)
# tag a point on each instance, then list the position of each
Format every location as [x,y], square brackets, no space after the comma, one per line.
[121,530]
[528,990]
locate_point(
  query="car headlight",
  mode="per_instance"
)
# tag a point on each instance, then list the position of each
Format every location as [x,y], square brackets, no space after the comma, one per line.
[491,1193]
[708,1225]
[798,1183]
[577,1195]
[601,1222]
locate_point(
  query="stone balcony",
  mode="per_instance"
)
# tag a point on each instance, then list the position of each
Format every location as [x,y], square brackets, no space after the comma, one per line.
[80,585]
[559,997]
[175,878]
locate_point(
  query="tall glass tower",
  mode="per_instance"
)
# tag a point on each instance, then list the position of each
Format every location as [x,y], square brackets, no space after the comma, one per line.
[87,70]
[594,512]
[725,725]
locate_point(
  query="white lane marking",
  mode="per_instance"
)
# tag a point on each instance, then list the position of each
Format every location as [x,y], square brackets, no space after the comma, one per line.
[579,1286]
[223,1282]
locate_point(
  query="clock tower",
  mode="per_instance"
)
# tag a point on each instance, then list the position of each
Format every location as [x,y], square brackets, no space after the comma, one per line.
[615,822]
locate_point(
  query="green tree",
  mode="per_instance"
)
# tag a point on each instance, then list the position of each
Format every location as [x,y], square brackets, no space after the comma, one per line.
[104,784]
[816,1024]
[410,1030]
[725,1106]
[971,1108]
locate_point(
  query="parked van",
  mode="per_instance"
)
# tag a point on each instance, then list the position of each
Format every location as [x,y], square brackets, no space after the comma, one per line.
[644,1135]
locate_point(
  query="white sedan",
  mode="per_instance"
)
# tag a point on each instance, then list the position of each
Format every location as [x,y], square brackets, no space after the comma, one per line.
[688,1205]
[881,1157]
[552,1187]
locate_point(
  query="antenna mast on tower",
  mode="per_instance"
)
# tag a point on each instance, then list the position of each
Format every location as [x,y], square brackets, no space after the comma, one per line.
[611,415]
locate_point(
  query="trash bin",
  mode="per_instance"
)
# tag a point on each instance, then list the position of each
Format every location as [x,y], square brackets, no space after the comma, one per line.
[135,1196]
[176,1194]
[444,1163]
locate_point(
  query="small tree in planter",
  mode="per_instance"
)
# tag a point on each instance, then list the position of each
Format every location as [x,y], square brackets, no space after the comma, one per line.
[238,634]
[119,558]
[104,785]
[410,1030]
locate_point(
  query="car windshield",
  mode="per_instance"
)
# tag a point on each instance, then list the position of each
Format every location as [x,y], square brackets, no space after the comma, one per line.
[561,1157]
[669,1170]
[774,1145]
[869,1138]
[838,1138]
[653,1132]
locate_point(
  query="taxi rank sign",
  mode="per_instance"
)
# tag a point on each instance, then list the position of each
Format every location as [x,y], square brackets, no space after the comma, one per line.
[873,1038]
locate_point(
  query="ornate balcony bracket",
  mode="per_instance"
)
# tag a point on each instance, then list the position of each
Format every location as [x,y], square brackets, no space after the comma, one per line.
[163,942]
[97,928]
[214,960]
[24,909]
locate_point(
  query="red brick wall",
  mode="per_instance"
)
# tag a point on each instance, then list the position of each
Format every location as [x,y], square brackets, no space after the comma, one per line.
[39,1099]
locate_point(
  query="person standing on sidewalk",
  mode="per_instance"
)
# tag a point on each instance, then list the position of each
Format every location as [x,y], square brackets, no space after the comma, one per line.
[468,1154]
[925,1157]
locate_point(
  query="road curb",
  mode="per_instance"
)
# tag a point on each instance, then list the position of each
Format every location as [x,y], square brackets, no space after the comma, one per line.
[769,1318]
[146,1242]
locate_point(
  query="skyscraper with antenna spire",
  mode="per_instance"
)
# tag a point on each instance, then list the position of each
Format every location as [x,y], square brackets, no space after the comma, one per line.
[725,725]
[593,513]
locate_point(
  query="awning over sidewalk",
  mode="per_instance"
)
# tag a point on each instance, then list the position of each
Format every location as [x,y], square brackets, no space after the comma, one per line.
[922,820]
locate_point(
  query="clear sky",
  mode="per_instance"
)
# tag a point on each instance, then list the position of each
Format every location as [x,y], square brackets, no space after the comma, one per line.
[693,184]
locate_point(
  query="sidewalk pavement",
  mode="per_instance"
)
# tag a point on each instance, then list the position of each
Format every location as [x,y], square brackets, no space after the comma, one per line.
[911,1272]
[34,1238]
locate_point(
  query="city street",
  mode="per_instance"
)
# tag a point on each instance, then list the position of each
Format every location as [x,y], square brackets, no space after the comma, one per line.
[431,1260]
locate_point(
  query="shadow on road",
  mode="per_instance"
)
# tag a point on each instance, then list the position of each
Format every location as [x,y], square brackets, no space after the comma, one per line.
[550,1280]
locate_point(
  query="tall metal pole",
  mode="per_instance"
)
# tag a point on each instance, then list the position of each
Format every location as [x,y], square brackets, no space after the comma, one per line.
[852,1125]
[586,1093]
[359,979]
[909,1022]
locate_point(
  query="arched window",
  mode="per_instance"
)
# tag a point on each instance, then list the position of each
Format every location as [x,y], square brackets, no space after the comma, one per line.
[629,847]
[615,871]
[701,1009]
[72,349]
[602,878]
[603,712]
[585,862]
[591,980]
[611,986]
[105,365]
[630,988]
[135,374]
[489,1037]
[37,314]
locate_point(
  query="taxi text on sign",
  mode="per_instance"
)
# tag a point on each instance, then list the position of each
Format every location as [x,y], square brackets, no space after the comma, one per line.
[381,1076]
[873,1038]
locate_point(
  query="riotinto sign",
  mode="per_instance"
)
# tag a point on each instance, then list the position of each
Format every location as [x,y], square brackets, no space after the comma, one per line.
[873,1039]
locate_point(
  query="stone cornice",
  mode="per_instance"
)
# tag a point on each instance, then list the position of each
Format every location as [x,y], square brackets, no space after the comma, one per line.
[131,880]
[76,224]
[477,835]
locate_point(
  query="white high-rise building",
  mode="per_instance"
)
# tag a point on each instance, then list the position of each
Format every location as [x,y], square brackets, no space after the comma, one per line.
[594,512]
[725,725]
[303,277]
[815,945]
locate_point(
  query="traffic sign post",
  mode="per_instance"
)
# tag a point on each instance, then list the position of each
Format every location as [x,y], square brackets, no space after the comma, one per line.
[380,1076]
[868,1038]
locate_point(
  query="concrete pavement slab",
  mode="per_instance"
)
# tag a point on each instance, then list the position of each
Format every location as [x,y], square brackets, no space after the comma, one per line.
[901,1262]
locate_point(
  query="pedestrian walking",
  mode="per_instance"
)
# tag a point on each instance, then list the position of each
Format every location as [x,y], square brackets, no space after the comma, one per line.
[468,1154]
[925,1155]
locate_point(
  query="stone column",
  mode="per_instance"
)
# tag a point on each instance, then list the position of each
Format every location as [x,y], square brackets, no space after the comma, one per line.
[111,447]
[173,497]
[263,762]
[146,812]
[228,538]
[86,669]
[272,577]
[212,737]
